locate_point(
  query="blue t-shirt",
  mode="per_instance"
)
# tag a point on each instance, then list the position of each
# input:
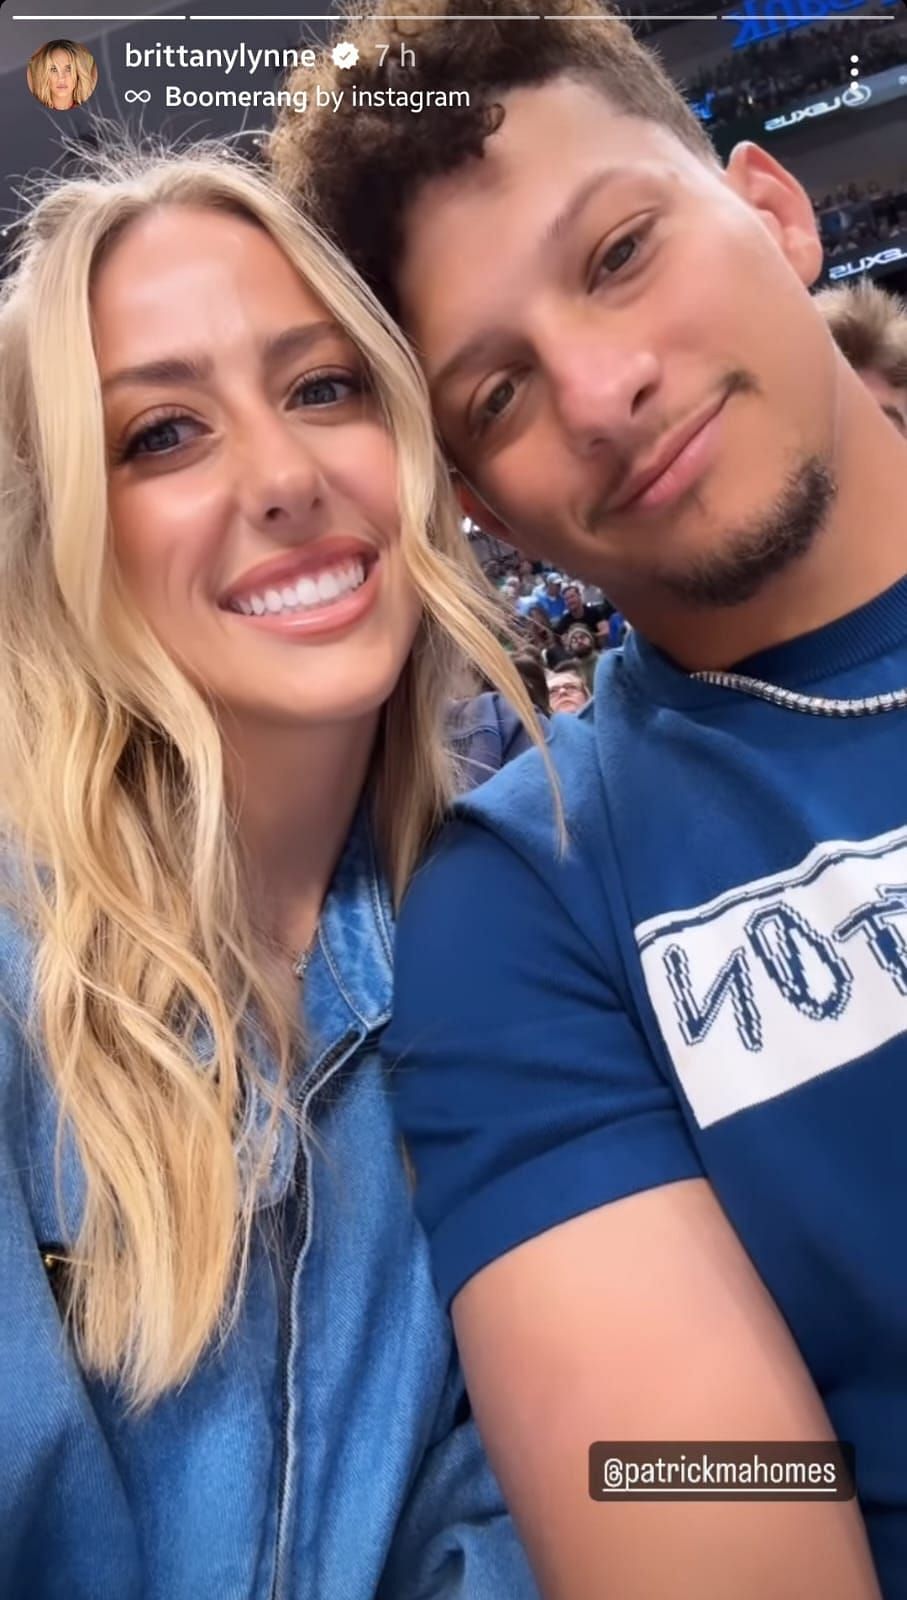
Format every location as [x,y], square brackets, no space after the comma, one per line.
[554,604]
[712,981]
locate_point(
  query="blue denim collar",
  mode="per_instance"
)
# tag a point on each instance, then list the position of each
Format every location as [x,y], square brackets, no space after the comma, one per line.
[349,979]
[346,990]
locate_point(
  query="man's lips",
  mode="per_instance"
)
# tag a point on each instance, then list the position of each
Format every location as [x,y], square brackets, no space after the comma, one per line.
[288,568]
[674,446]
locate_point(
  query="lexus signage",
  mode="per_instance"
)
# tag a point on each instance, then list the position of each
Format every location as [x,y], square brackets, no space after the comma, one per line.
[874,91]
[856,94]
[874,261]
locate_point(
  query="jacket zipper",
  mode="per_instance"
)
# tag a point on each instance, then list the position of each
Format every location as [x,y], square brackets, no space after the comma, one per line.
[298,1252]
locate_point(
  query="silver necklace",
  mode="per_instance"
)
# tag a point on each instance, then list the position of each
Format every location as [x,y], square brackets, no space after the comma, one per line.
[303,959]
[816,705]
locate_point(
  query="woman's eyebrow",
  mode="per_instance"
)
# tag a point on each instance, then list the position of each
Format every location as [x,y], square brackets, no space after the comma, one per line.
[196,369]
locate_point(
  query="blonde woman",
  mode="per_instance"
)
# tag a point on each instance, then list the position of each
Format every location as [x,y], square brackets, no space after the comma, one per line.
[62,75]
[233,598]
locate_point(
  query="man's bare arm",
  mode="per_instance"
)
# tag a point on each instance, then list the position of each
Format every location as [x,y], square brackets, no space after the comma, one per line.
[645,1319]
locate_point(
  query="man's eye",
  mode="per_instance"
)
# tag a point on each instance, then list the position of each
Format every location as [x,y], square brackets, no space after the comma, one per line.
[495,403]
[617,255]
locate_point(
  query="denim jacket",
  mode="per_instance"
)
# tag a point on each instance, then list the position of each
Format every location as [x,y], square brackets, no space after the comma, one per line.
[326,1451]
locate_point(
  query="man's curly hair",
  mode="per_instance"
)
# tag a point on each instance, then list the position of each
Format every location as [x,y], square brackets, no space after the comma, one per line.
[358,169]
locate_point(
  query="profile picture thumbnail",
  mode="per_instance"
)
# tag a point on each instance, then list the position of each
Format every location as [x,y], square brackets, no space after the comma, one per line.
[62,74]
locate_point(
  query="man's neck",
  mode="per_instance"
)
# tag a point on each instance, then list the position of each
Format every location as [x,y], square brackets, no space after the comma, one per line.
[859,553]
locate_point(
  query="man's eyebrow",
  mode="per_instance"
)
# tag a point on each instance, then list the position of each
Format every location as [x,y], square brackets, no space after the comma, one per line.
[478,350]
[196,369]
[578,201]
[896,417]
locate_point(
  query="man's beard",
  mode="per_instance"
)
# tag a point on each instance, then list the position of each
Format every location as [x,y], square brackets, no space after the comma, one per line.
[753,554]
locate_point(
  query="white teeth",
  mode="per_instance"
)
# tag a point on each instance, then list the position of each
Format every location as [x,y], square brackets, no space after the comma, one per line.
[307,591]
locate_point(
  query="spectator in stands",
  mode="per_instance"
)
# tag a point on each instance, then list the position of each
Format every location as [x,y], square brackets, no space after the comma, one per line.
[579,642]
[567,690]
[579,610]
[551,599]
[869,327]
[524,598]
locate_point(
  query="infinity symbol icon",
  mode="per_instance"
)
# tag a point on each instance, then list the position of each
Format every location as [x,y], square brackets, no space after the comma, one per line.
[137,94]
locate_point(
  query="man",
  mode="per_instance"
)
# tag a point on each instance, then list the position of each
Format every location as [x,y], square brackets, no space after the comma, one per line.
[579,610]
[551,600]
[656,1091]
[579,643]
[870,329]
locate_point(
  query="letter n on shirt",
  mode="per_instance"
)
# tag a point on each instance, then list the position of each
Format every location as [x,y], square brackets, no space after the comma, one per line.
[777,981]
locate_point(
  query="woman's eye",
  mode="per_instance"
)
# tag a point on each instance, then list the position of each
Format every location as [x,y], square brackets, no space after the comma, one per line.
[158,439]
[327,389]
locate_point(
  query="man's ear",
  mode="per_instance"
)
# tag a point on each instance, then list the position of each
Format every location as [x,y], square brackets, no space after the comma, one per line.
[475,508]
[783,204]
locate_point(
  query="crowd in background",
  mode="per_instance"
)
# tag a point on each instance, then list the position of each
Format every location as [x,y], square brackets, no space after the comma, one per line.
[770,75]
[561,627]
[860,215]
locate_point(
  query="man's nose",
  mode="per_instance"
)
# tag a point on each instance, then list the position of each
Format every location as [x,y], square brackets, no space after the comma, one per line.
[600,389]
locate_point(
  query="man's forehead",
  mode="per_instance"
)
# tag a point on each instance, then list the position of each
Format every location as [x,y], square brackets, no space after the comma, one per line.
[559,146]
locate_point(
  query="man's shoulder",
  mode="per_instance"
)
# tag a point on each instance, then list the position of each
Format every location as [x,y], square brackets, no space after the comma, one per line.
[503,847]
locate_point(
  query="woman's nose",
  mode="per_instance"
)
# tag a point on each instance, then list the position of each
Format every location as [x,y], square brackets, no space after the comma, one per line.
[281,478]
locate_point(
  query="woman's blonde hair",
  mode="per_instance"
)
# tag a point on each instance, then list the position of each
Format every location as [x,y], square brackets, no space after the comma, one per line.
[113,801]
[84,71]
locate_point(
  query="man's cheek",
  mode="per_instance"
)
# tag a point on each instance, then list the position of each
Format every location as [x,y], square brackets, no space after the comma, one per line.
[518,494]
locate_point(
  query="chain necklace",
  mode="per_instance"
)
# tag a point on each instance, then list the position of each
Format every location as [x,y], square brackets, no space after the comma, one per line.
[303,959]
[814,704]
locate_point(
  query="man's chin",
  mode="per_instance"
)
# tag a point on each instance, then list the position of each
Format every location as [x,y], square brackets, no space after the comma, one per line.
[750,552]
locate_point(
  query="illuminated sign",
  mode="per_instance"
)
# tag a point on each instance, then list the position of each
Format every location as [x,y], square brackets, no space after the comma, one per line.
[856,94]
[877,90]
[766,19]
[877,264]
